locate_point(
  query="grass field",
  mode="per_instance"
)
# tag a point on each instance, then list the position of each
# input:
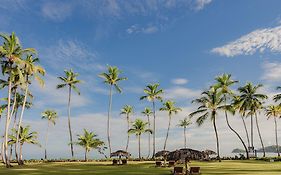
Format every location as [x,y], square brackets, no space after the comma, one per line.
[145,168]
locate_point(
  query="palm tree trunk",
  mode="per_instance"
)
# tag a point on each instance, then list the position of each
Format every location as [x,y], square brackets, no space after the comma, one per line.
[108,119]
[246,130]
[14,126]
[139,147]
[20,157]
[252,132]
[149,144]
[15,121]
[260,134]
[69,123]
[154,128]
[86,159]
[128,137]
[165,143]
[21,116]
[46,140]
[217,139]
[184,132]
[276,136]
[8,165]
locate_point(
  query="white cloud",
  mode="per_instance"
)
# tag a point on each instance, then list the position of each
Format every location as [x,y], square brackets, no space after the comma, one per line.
[178,92]
[256,41]
[272,71]
[200,4]
[179,81]
[134,29]
[56,11]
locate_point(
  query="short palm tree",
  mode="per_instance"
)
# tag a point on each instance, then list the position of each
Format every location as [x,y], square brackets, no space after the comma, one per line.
[127,110]
[112,79]
[223,83]
[170,107]
[274,111]
[209,105]
[153,93]
[138,128]
[69,80]
[26,136]
[147,112]
[184,124]
[251,102]
[51,116]
[89,142]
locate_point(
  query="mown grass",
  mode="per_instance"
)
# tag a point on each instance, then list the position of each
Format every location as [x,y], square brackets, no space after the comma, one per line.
[145,168]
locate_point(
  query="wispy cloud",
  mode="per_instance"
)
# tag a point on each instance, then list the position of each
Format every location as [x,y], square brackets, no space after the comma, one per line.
[57,11]
[256,41]
[272,71]
[134,29]
[179,81]
[200,4]
[179,93]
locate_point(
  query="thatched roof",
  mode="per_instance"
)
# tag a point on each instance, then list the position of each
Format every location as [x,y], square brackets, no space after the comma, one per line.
[185,153]
[119,153]
[209,152]
[162,153]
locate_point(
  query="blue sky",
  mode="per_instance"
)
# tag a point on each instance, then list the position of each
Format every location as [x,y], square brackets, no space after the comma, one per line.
[182,44]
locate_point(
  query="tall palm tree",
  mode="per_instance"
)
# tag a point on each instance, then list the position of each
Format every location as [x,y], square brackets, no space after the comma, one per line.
[25,137]
[112,79]
[274,111]
[127,110]
[223,83]
[69,80]
[184,124]
[209,105]
[170,107]
[251,101]
[277,97]
[138,128]
[152,93]
[89,142]
[11,53]
[51,116]
[147,112]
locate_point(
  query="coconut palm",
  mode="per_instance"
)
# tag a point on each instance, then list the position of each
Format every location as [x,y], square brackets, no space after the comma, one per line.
[147,112]
[170,107]
[251,102]
[25,136]
[51,116]
[277,97]
[11,53]
[112,79]
[138,128]
[274,111]
[152,93]
[70,81]
[223,83]
[89,142]
[127,110]
[184,124]
[209,105]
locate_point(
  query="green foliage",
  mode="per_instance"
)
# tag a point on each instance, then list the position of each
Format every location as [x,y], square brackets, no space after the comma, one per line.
[70,80]
[89,141]
[50,115]
[139,127]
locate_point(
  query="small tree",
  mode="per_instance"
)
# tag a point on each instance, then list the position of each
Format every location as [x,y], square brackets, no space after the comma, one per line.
[184,124]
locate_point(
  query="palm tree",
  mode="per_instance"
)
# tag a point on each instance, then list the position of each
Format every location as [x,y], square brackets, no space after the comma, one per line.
[277,97]
[184,124]
[70,80]
[127,110]
[11,53]
[152,94]
[112,79]
[89,142]
[170,107]
[25,136]
[251,102]
[147,112]
[274,111]
[209,105]
[51,116]
[223,83]
[138,128]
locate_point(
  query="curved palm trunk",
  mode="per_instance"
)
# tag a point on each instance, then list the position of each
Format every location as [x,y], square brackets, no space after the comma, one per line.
[165,143]
[7,161]
[46,140]
[14,127]
[252,132]
[69,123]
[108,119]
[236,133]
[184,133]
[276,136]
[15,120]
[154,128]
[139,147]
[246,130]
[128,135]
[260,135]
[217,139]
[148,137]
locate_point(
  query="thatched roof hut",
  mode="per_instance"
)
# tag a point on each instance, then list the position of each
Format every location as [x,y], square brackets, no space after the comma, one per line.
[120,153]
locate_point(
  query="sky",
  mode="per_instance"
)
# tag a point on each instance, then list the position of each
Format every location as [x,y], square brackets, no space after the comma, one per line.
[181,44]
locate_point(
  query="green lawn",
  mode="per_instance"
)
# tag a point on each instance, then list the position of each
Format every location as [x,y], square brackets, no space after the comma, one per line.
[208,168]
